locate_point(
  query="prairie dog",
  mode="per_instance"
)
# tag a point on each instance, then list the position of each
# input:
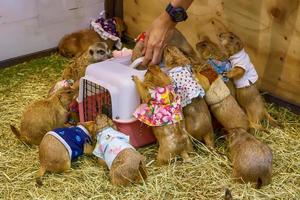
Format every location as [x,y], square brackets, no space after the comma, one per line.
[251,159]
[245,77]
[172,137]
[99,51]
[76,69]
[113,150]
[212,54]
[44,115]
[197,116]
[174,57]
[74,44]
[198,121]
[62,146]
[208,49]
[222,104]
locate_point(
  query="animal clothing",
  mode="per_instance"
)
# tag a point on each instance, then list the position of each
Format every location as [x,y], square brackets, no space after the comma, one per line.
[185,84]
[220,67]
[163,108]
[241,59]
[107,29]
[73,138]
[109,144]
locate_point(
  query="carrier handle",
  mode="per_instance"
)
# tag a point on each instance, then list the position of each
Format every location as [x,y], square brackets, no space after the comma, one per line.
[136,62]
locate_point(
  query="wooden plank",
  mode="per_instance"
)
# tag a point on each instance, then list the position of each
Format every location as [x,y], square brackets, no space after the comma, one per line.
[269,29]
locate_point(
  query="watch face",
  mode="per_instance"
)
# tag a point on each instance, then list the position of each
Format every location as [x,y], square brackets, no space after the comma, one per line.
[179,15]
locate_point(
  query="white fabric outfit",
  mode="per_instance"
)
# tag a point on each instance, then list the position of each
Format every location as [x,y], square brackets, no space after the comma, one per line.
[109,144]
[241,59]
[185,84]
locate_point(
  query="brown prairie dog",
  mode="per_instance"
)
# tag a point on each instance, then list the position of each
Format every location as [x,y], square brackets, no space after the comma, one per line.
[251,159]
[113,150]
[198,121]
[197,116]
[43,116]
[209,50]
[245,77]
[224,107]
[172,138]
[74,44]
[62,146]
[97,52]
[173,57]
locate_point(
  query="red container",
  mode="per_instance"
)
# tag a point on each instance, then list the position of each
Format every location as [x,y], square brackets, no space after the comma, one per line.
[100,102]
[140,134]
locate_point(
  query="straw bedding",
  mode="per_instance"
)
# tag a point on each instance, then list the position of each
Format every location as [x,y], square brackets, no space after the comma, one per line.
[206,177]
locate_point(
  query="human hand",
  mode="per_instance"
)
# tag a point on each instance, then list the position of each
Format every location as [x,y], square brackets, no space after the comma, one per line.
[156,39]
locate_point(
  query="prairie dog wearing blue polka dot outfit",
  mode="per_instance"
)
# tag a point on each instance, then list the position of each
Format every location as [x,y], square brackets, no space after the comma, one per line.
[73,138]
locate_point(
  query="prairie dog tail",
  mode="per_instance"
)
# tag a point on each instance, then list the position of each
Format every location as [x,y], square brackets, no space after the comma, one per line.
[40,173]
[228,195]
[16,132]
[143,170]
[272,121]
[259,183]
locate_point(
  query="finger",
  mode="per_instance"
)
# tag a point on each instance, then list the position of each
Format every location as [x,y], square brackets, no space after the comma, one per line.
[157,55]
[148,55]
[145,43]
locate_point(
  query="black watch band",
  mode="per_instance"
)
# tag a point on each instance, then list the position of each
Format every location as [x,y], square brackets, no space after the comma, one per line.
[177,14]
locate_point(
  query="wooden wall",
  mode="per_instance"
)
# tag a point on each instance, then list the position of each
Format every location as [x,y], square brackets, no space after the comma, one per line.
[269,28]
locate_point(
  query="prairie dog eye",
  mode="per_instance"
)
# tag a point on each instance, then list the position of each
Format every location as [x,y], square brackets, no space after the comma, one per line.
[204,45]
[231,37]
[91,52]
[101,52]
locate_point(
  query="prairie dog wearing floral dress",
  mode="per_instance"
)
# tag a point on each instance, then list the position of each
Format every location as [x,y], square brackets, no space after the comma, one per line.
[171,134]
[164,107]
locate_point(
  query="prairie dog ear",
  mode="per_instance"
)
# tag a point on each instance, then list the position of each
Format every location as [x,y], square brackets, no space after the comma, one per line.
[154,68]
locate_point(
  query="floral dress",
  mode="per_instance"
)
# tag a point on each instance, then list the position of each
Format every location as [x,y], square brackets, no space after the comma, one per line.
[163,108]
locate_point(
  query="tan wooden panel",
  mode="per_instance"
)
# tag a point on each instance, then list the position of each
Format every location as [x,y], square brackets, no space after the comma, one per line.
[269,28]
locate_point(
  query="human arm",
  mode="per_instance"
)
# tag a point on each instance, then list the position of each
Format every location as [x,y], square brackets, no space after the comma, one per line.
[160,31]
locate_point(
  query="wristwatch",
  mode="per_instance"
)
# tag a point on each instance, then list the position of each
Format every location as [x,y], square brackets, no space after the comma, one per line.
[176,14]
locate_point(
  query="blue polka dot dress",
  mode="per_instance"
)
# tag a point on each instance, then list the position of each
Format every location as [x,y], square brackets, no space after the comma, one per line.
[73,138]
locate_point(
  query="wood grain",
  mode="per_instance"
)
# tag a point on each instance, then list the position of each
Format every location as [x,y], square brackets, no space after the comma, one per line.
[270,30]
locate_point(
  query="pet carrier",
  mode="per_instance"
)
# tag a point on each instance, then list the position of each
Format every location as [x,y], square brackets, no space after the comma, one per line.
[107,88]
